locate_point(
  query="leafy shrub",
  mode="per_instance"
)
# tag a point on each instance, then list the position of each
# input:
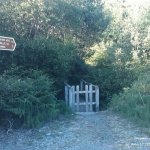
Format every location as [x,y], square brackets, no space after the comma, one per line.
[134,102]
[51,56]
[111,79]
[30,97]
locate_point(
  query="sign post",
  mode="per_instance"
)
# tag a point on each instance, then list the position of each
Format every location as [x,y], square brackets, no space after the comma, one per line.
[7,43]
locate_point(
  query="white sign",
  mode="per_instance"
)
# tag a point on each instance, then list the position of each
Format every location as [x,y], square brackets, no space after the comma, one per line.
[7,43]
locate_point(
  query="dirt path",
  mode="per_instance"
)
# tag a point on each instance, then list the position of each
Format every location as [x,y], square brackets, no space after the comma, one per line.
[101,131]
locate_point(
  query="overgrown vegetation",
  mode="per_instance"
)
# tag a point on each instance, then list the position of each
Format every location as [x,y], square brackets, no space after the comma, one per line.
[52,39]
[28,95]
[134,102]
[67,40]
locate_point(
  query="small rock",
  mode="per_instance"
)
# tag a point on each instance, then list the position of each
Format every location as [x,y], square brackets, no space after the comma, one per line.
[48,134]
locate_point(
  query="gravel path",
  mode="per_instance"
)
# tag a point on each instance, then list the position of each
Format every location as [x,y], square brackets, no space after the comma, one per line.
[100,131]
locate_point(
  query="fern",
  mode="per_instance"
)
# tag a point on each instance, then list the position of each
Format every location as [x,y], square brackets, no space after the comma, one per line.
[31,98]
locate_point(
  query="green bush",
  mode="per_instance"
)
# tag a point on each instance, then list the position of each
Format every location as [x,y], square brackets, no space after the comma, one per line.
[29,96]
[51,56]
[111,79]
[134,102]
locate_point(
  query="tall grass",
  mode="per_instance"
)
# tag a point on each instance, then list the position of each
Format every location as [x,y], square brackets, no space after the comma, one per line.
[134,102]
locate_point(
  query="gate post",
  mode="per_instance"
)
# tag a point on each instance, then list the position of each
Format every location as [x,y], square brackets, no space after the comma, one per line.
[73,98]
[87,98]
[77,98]
[70,98]
[66,95]
[91,97]
[97,98]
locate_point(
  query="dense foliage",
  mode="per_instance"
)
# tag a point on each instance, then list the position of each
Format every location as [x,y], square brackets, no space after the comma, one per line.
[30,96]
[52,37]
[134,102]
[67,40]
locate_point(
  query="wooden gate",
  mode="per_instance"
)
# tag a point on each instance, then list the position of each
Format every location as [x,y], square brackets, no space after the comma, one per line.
[83,97]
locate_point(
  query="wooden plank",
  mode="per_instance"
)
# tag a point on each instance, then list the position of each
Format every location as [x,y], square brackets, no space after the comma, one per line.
[66,95]
[86,113]
[83,92]
[86,97]
[70,98]
[97,98]
[73,98]
[84,103]
[90,97]
[66,84]
[77,97]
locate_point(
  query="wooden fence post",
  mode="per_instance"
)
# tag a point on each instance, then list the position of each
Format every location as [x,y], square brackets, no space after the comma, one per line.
[77,98]
[70,97]
[73,98]
[86,97]
[97,98]
[66,95]
[91,97]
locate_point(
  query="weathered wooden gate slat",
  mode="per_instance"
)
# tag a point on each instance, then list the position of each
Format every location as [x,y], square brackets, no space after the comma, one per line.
[91,97]
[77,97]
[84,103]
[97,98]
[86,97]
[82,92]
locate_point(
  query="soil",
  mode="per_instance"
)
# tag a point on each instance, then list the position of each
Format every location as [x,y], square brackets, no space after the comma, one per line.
[98,131]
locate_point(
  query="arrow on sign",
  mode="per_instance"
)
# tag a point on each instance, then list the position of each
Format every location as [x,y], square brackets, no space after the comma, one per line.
[7,43]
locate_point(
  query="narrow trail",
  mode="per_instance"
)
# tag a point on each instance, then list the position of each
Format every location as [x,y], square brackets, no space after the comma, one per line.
[100,131]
